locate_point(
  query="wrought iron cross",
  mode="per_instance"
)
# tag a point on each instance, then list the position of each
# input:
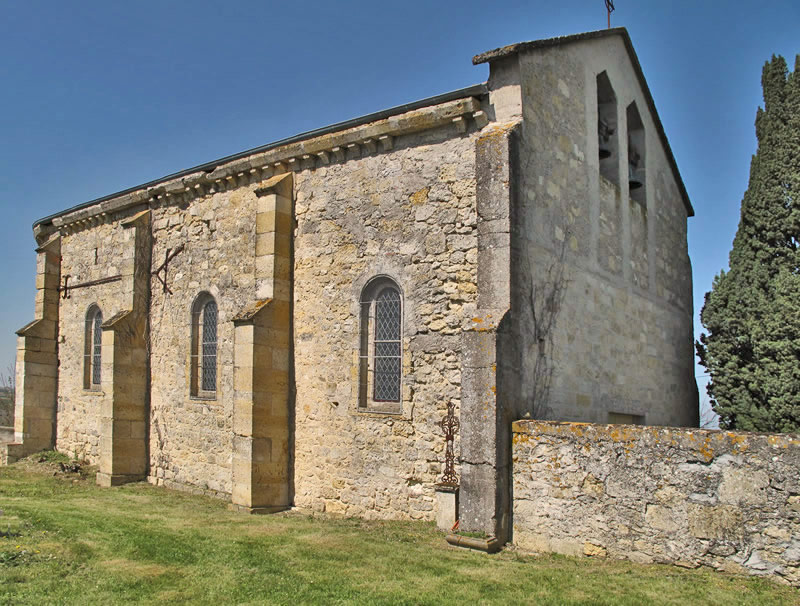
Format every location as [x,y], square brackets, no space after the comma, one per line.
[610,9]
[449,425]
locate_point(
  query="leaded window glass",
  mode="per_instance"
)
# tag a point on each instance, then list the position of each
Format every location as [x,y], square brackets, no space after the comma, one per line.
[209,345]
[97,342]
[92,348]
[381,349]
[205,316]
[386,383]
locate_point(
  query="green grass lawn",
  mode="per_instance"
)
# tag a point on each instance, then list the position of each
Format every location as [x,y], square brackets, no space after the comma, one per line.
[65,541]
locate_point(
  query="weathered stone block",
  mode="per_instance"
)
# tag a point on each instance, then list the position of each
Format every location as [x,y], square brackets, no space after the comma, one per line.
[446,508]
[743,487]
[715,522]
[662,518]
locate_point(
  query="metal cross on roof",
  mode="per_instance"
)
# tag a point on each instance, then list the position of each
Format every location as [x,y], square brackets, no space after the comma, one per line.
[610,9]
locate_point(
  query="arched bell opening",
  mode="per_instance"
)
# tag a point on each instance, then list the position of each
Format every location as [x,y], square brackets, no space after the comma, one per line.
[636,156]
[607,131]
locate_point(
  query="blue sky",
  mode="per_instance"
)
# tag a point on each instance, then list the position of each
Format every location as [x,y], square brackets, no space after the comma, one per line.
[100,96]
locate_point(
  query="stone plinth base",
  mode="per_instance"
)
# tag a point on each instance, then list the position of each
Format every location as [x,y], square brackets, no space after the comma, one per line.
[11,453]
[257,510]
[446,506]
[107,480]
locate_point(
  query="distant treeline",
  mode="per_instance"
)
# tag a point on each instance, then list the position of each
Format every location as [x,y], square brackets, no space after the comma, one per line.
[6,406]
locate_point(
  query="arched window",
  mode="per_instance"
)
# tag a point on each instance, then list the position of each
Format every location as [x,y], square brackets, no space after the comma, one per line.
[204,347]
[381,349]
[92,348]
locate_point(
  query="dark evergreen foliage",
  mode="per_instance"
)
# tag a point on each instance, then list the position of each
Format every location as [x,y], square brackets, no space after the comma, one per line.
[752,314]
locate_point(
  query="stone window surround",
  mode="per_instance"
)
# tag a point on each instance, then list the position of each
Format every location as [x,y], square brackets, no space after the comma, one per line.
[92,349]
[365,403]
[196,392]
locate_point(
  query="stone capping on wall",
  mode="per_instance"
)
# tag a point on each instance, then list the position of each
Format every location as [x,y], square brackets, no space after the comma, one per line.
[724,499]
[117,319]
[249,311]
[47,244]
[30,329]
[364,139]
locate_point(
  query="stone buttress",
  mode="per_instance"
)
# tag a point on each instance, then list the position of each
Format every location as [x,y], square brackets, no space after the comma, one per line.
[262,335]
[37,362]
[485,423]
[124,409]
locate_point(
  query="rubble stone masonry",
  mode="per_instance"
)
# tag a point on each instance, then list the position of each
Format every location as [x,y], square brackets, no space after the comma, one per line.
[728,500]
[410,215]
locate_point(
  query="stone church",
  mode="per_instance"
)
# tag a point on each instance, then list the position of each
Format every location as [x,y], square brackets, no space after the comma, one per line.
[287,326]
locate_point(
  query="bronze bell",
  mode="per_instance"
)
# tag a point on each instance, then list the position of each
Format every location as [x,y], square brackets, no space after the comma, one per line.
[635,172]
[635,177]
[604,132]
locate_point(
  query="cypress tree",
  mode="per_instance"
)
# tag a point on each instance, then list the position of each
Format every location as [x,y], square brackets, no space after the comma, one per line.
[752,313]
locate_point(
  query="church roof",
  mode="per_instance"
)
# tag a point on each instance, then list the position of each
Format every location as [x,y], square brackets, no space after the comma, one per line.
[476,90]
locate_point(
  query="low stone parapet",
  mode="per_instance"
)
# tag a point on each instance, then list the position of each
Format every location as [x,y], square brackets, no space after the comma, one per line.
[691,497]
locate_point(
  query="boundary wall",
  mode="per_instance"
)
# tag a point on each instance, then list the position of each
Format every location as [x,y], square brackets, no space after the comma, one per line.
[690,497]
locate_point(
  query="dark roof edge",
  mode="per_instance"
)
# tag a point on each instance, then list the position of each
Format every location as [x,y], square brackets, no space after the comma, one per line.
[512,49]
[476,90]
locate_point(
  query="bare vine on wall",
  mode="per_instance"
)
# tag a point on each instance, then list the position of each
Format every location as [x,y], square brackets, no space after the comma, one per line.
[543,298]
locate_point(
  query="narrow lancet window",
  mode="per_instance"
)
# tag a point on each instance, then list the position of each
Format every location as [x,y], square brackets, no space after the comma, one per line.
[204,347]
[381,348]
[92,349]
